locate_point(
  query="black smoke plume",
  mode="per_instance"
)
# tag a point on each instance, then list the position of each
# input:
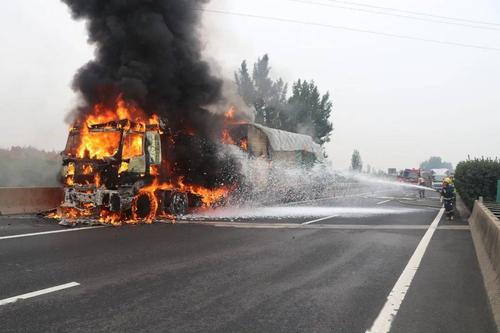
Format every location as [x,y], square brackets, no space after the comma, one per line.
[149,52]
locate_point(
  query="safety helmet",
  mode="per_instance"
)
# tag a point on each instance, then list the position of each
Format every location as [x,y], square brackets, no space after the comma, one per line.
[447,180]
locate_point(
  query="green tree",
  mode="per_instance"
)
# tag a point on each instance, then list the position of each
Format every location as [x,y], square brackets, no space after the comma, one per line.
[436,162]
[309,112]
[245,84]
[356,162]
[263,85]
[277,104]
[268,97]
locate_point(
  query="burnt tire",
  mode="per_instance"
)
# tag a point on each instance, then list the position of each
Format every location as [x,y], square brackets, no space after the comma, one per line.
[175,203]
[144,207]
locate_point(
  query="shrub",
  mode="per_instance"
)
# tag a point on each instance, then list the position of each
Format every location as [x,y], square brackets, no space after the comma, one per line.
[26,167]
[477,177]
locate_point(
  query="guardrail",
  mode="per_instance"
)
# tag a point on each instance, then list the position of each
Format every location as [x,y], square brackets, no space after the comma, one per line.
[485,229]
[493,207]
[488,226]
[22,200]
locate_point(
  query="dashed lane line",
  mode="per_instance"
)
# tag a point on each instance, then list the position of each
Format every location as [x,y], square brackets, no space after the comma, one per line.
[319,220]
[38,293]
[383,322]
[383,202]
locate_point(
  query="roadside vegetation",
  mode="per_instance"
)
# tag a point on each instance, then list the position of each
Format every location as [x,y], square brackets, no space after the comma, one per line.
[477,177]
[27,167]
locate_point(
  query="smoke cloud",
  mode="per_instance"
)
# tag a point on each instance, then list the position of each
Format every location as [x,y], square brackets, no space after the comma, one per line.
[149,52]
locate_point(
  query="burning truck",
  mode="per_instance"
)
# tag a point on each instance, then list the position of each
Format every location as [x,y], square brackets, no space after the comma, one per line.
[116,166]
[114,170]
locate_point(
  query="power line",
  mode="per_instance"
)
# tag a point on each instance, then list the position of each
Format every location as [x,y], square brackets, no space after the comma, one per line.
[371,11]
[414,12]
[339,27]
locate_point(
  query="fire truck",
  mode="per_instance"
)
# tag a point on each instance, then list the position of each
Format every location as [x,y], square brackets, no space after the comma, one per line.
[409,176]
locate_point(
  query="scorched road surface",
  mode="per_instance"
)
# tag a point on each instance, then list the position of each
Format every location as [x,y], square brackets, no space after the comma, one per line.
[296,273]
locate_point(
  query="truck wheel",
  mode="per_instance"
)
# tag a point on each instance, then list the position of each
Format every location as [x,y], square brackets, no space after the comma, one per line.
[175,203]
[144,207]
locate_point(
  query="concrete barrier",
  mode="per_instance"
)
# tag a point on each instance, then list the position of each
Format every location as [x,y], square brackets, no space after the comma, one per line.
[485,229]
[21,200]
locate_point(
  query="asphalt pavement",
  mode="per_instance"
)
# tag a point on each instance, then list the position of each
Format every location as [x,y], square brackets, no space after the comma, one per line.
[318,266]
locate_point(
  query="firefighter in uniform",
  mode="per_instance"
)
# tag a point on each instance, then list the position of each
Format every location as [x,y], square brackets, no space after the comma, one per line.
[448,197]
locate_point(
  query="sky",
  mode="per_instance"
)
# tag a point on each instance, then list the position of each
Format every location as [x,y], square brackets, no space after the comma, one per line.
[398,101]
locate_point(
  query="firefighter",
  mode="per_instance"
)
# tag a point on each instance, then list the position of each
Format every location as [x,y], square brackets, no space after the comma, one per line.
[421,190]
[448,197]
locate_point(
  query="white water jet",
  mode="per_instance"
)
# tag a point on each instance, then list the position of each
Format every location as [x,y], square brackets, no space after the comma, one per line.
[364,178]
[294,212]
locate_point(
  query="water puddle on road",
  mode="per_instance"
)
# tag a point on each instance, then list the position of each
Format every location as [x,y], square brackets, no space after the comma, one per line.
[281,212]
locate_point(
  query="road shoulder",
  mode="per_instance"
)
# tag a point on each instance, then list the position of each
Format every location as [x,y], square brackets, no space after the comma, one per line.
[447,294]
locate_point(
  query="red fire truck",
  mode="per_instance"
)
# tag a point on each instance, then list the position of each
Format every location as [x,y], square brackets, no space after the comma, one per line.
[409,176]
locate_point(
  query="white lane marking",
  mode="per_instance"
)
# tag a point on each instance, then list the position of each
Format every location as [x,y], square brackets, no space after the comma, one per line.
[319,220]
[383,322]
[49,232]
[383,202]
[321,226]
[38,293]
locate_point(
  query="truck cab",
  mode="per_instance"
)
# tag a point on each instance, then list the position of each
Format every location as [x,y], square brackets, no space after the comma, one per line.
[108,167]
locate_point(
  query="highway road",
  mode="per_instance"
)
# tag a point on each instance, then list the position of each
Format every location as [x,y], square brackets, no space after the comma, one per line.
[377,262]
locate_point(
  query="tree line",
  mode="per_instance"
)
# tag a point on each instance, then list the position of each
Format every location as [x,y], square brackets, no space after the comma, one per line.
[29,167]
[435,162]
[305,111]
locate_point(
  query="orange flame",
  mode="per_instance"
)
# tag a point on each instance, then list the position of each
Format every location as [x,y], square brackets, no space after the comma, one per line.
[110,218]
[70,181]
[229,115]
[123,167]
[244,144]
[154,170]
[132,145]
[87,169]
[97,145]
[105,143]
[97,180]
[208,196]
[226,137]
